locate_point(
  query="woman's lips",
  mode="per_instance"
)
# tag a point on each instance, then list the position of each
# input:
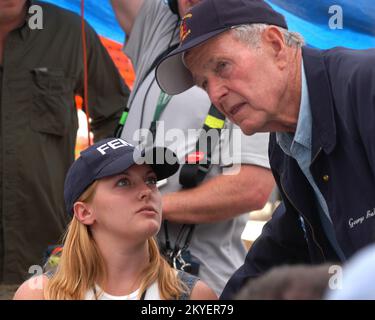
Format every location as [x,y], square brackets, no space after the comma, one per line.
[147,210]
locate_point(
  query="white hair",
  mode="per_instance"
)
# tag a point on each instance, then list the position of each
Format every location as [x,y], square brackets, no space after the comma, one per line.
[251,34]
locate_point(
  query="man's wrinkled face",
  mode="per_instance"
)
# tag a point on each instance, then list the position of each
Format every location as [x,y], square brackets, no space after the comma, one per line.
[185,5]
[246,84]
[11,9]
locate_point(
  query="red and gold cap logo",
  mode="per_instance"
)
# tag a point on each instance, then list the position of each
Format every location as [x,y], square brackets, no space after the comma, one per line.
[184,31]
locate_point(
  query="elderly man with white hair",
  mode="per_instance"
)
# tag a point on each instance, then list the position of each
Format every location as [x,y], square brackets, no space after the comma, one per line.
[320,109]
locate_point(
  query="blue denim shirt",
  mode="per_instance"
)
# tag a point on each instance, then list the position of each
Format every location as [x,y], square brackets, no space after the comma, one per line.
[298,146]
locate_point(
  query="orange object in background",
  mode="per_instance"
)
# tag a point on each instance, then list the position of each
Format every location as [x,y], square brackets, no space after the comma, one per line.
[125,68]
[79,102]
[82,136]
[121,61]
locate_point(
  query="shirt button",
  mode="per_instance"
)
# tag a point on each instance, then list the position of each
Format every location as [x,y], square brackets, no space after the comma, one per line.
[326,178]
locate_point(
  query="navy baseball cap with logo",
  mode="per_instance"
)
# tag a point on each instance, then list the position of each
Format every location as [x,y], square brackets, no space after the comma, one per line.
[110,157]
[204,21]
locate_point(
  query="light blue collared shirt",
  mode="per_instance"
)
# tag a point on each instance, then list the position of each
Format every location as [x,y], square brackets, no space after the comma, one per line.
[298,146]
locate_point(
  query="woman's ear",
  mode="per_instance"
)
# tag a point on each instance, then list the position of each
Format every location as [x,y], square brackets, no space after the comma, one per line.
[83,213]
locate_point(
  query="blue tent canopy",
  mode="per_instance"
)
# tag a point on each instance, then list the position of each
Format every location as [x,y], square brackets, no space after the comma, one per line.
[308,17]
[99,14]
[311,19]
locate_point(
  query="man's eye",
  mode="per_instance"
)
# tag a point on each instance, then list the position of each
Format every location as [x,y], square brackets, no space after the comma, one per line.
[123,183]
[220,66]
[152,181]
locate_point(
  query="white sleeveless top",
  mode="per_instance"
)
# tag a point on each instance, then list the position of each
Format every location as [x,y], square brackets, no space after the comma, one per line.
[152,293]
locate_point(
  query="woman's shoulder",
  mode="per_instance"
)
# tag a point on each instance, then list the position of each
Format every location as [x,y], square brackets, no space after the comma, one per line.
[202,291]
[197,289]
[32,289]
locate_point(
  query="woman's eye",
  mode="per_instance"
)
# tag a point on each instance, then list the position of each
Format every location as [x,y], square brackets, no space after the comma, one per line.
[123,183]
[152,181]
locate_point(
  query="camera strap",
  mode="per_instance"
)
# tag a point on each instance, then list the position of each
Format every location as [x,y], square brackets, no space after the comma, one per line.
[177,246]
[198,163]
[193,172]
[125,113]
[175,253]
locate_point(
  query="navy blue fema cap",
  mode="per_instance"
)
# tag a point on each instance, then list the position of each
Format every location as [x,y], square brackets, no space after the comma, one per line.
[204,21]
[109,157]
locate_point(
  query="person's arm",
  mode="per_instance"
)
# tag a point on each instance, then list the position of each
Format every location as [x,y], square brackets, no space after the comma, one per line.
[281,242]
[126,11]
[32,289]
[220,198]
[202,292]
[107,92]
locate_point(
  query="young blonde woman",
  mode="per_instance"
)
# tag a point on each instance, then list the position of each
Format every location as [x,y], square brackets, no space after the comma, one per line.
[109,249]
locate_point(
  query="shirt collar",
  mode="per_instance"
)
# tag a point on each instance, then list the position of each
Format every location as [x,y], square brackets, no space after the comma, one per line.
[303,132]
[304,123]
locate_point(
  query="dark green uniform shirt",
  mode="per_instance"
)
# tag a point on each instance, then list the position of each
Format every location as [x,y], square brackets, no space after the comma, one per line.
[41,73]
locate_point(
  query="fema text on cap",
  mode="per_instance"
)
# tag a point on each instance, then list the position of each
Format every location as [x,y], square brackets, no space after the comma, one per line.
[113,144]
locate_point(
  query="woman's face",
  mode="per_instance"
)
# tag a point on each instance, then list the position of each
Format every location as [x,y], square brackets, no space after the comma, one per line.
[128,205]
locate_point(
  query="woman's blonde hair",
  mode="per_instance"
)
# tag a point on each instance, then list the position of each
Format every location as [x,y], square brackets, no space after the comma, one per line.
[82,266]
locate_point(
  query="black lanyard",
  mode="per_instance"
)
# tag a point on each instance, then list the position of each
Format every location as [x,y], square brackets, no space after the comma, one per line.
[162,103]
[125,113]
[185,230]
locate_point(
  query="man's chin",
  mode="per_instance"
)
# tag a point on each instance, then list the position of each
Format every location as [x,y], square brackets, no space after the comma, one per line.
[10,11]
[247,130]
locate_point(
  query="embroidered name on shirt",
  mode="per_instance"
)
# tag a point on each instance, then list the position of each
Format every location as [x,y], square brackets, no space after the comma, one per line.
[355,222]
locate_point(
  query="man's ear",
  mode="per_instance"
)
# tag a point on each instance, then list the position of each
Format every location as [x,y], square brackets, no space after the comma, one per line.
[83,213]
[274,38]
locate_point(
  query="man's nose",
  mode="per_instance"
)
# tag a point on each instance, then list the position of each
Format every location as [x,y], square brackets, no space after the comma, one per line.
[216,91]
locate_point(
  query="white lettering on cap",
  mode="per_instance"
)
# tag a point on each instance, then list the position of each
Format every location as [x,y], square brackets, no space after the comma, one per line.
[113,144]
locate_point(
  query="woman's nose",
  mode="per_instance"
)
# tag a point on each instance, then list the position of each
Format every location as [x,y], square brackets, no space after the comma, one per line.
[144,193]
